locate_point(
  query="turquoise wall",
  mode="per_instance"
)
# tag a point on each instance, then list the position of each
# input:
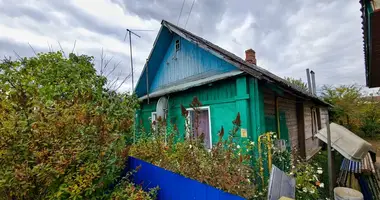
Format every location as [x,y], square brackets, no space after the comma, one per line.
[220,96]
[225,98]
[190,63]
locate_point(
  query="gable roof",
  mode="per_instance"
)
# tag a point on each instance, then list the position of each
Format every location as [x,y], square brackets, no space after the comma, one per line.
[241,64]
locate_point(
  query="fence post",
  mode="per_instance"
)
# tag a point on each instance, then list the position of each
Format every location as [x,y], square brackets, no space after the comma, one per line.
[329,157]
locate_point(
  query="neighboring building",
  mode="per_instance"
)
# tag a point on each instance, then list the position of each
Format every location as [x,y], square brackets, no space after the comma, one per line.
[371,30]
[182,65]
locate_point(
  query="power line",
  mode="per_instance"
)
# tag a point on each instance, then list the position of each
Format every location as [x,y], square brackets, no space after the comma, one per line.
[191,9]
[180,13]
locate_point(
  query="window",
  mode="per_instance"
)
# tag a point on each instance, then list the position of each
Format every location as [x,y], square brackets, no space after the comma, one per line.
[314,122]
[154,120]
[204,125]
[177,45]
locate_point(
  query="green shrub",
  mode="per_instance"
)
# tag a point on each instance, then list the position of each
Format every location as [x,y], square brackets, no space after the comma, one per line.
[226,166]
[62,135]
[131,191]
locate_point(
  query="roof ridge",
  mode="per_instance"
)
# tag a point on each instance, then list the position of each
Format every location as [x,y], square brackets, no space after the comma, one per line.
[249,68]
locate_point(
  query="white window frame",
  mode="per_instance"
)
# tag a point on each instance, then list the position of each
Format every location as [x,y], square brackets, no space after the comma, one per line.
[153,117]
[209,119]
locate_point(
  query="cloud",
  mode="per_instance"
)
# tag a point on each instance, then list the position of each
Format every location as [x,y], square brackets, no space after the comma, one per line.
[288,36]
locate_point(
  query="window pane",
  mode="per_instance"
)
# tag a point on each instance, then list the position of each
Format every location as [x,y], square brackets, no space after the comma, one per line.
[203,126]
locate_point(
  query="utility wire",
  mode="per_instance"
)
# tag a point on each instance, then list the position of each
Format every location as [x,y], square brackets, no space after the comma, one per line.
[180,13]
[191,9]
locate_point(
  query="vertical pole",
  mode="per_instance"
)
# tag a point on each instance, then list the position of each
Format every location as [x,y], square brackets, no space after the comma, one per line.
[329,157]
[309,81]
[130,51]
[313,82]
[277,117]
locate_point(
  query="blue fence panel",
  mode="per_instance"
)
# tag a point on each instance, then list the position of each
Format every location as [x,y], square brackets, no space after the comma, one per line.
[172,185]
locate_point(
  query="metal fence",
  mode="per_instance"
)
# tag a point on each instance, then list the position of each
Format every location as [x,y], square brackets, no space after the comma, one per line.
[172,185]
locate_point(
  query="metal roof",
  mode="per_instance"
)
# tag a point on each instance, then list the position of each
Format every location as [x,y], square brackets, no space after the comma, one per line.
[346,142]
[246,67]
[187,85]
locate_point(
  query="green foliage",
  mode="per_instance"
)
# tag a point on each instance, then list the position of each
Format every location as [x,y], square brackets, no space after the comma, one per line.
[346,99]
[131,191]
[62,136]
[307,180]
[370,117]
[320,160]
[226,166]
[297,82]
[351,109]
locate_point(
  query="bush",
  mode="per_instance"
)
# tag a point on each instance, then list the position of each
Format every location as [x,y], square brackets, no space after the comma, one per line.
[62,135]
[226,166]
[131,191]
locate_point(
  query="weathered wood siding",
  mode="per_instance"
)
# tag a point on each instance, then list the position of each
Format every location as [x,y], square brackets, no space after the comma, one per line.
[311,143]
[288,105]
[269,104]
[324,116]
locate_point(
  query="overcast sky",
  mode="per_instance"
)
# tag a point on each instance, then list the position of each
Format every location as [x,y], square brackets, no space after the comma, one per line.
[288,36]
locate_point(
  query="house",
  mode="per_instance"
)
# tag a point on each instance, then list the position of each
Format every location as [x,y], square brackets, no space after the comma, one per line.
[371,31]
[182,65]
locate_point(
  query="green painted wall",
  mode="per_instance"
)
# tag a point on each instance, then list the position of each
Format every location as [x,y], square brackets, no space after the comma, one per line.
[220,96]
[256,108]
[225,98]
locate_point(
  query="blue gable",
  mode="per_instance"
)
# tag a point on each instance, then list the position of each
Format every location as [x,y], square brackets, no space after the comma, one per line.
[190,63]
[168,67]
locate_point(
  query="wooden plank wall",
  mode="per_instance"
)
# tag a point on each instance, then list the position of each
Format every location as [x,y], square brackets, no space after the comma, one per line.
[324,116]
[269,102]
[311,143]
[287,104]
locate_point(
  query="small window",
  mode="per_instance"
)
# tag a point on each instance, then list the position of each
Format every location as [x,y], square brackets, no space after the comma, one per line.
[177,45]
[204,125]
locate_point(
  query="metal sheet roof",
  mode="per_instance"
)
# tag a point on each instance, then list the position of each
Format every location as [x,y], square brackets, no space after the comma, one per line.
[346,142]
[187,85]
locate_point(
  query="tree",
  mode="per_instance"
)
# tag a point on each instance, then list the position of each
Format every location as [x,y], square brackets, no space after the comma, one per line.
[62,135]
[370,116]
[346,100]
[297,82]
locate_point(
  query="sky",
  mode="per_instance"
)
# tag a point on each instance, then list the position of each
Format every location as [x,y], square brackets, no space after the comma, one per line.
[288,36]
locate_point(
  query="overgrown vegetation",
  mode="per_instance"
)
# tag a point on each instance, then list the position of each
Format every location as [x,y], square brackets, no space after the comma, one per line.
[62,135]
[225,166]
[320,160]
[352,109]
[229,165]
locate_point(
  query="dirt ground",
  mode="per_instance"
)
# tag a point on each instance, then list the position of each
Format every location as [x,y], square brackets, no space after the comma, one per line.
[376,146]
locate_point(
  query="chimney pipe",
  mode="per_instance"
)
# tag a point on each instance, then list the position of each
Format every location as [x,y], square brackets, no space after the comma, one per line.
[313,82]
[250,56]
[309,81]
